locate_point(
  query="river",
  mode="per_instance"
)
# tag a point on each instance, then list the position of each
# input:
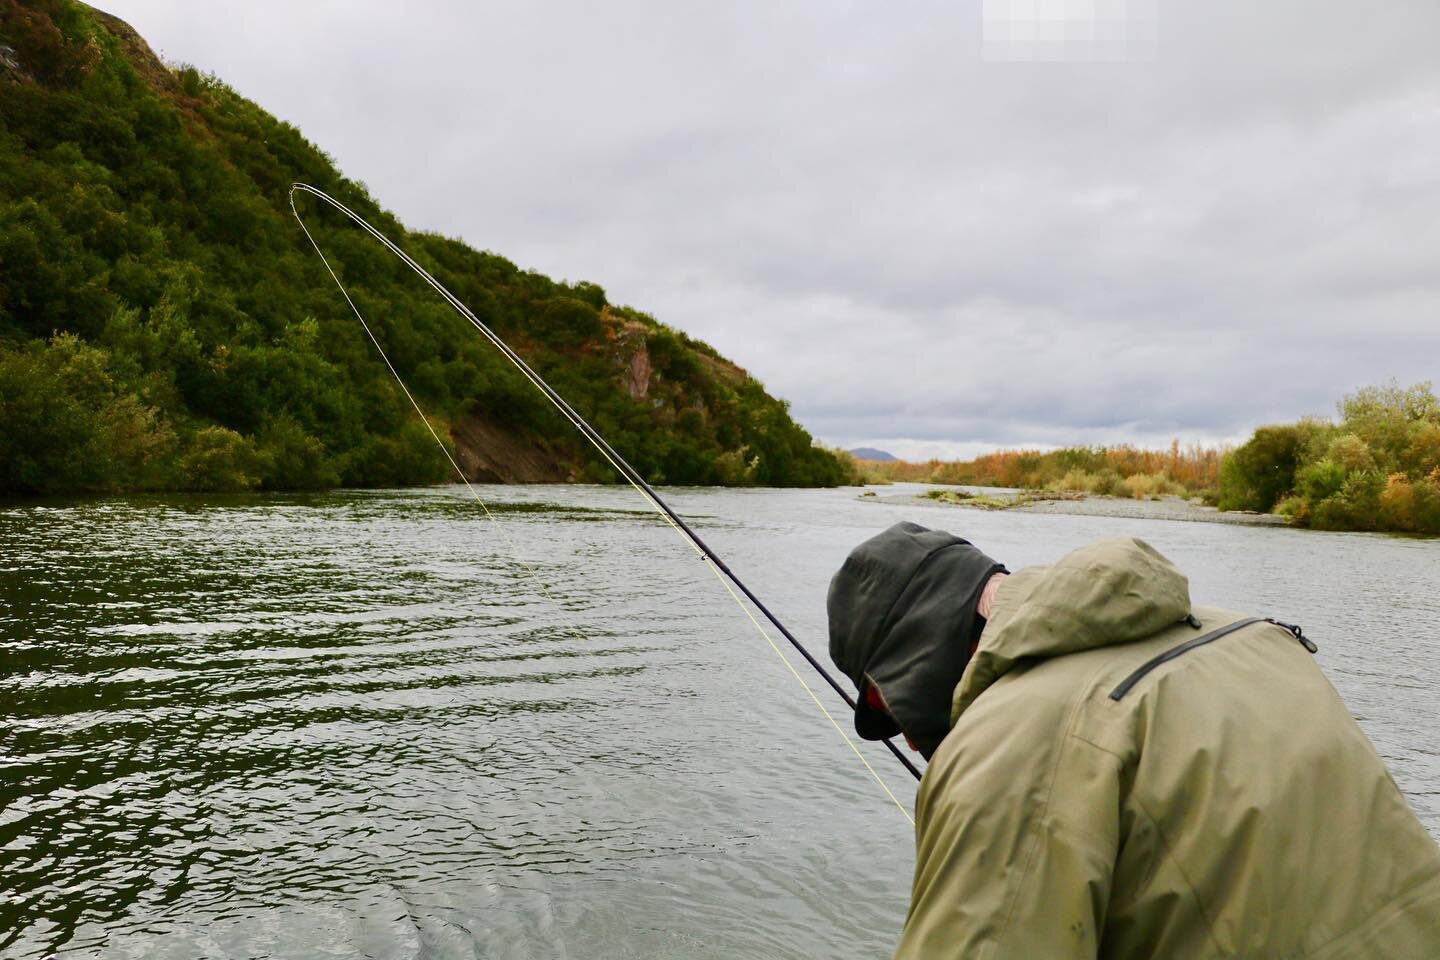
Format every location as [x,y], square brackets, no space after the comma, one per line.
[384,724]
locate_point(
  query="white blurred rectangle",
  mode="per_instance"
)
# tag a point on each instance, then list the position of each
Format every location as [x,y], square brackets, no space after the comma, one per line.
[1069,31]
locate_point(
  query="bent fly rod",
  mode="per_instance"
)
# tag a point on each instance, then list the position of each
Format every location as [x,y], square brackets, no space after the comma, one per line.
[616,461]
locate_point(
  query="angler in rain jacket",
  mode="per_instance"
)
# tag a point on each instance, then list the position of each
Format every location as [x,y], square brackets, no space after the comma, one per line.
[1117,773]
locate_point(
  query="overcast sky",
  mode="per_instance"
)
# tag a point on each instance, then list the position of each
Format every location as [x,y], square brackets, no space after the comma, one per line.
[921,245]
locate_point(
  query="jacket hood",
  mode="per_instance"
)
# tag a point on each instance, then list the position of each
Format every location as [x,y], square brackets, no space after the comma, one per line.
[902,619]
[1110,592]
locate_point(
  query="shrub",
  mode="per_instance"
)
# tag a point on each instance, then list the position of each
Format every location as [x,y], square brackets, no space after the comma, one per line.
[1397,503]
[1351,454]
[219,459]
[1426,505]
[1152,485]
[67,424]
[1256,475]
[1321,480]
[138,443]
[45,431]
[291,459]
[1077,480]
[736,468]
[408,455]
[1296,508]
[850,467]
[1355,507]
[1107,483]
[1384,416]
[1423,452]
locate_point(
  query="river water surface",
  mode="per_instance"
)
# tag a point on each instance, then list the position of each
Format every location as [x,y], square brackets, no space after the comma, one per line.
[381,724]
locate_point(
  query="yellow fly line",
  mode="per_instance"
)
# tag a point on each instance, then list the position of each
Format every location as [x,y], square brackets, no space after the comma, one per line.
[584,428]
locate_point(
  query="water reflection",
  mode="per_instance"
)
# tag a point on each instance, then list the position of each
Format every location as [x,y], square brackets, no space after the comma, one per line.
[353,724]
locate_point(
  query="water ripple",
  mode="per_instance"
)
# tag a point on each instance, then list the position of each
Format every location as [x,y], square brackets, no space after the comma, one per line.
[359,725]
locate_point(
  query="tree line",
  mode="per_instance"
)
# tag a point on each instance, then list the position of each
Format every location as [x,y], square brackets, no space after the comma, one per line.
[1375,468]
[164,324]
[1113,471]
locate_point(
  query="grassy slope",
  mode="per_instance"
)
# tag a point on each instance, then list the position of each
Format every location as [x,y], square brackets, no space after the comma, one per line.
[163,324]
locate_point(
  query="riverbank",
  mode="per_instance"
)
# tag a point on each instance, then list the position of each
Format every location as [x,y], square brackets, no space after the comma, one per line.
[1084,505]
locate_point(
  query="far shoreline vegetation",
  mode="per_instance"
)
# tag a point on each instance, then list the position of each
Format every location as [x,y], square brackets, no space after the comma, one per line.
[1377,468]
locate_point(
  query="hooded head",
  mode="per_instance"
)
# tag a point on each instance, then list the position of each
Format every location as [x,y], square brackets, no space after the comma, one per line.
[902,620]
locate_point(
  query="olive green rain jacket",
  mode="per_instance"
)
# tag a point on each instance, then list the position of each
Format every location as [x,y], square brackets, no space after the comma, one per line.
[1100,796]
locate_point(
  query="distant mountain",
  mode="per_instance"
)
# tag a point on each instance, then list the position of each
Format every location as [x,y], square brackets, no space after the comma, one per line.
[165,325]
[870,453]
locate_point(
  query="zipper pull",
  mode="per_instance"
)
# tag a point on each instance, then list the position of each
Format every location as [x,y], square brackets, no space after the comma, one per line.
[1295,632]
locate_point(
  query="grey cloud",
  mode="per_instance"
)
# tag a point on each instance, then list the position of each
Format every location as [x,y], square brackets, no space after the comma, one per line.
[905,241]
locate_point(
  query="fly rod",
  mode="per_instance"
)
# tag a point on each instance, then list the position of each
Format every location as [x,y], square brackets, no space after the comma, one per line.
[611,456]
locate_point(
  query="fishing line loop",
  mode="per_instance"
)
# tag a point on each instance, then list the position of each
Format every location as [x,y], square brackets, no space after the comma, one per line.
[732,583]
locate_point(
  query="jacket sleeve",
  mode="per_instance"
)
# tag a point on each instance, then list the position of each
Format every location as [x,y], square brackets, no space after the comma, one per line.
[1017,832]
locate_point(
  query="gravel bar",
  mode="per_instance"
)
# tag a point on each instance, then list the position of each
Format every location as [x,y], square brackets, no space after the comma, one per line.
[1167,508]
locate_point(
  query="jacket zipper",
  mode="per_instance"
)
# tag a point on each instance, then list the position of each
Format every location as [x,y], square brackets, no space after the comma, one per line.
[1140,672]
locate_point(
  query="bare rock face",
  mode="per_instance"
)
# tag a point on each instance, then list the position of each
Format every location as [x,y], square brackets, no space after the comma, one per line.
[490,453]
[11,68]
[639,380]
[637,370]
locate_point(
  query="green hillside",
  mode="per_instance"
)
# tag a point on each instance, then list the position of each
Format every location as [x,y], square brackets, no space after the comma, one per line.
[165,325]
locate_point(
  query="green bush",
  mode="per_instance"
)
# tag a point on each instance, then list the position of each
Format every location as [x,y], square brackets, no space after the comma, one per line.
[1297,509]
[735,468]
[407,455]
[1422,454]
[1351,454]
[1377,469]
[140,446]
[1425,511]
[1256,475]
[1385,417]
[291,459]
[219,459]
[45,432]
[67,423]
[1320,480]
[1151,485]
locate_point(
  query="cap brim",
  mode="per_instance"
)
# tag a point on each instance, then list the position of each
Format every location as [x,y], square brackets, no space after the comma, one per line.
[872,724]
[875,726]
